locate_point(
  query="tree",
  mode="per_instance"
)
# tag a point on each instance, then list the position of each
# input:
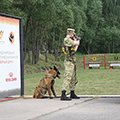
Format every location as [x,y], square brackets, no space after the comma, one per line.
[46,22]
[94,15]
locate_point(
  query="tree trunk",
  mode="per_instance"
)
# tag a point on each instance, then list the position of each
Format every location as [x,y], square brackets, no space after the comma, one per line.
[113,47]
[45,51]
[35,47]
[56,54]
[88,48]
[35,50]
[46,56]
[25,37]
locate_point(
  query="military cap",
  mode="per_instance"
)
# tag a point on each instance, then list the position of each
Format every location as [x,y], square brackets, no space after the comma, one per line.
[71,30]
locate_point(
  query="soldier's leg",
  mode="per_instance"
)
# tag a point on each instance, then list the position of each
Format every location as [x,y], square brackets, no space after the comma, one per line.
[67,78]
[73,85]
[74,80]
[69,69]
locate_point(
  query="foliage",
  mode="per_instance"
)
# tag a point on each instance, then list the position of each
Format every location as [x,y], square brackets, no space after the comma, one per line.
[46,21]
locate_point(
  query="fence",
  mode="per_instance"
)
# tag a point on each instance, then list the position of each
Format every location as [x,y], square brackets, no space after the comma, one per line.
[101,60]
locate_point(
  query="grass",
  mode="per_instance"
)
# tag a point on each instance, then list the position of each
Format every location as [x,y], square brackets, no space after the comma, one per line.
[91,81]
[98,82]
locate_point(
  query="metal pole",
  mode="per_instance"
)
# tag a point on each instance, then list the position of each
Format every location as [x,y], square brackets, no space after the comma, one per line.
[22,57]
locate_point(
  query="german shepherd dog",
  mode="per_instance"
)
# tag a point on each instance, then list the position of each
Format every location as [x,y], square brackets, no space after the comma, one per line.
[47,84]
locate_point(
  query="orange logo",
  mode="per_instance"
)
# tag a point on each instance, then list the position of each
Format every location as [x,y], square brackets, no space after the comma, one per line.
[11,37]
[1,34]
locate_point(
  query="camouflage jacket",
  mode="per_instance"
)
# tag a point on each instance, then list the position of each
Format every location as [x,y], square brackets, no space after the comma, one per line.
[69,48]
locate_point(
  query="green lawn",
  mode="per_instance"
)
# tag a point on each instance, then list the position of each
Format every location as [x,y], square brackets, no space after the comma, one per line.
[91,82]
[99,82]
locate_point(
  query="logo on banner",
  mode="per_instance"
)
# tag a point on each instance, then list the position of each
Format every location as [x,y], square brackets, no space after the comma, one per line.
[1,34]
[11,37]
[10,77]
[11,74]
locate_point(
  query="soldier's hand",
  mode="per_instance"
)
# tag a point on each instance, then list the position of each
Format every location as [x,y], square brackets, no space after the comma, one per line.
[77,42]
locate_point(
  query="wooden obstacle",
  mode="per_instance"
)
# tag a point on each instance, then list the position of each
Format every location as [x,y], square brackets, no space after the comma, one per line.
[101,60]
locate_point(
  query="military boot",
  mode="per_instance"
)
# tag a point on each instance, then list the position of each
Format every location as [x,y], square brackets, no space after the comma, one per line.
[64,97]
[73,95]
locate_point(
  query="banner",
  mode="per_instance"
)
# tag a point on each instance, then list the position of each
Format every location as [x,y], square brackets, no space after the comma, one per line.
[10,61]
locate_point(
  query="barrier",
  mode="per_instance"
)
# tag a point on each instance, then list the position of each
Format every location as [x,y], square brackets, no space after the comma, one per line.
[113,60]
[93,61]
[101,60]
[114,64]
[94,65]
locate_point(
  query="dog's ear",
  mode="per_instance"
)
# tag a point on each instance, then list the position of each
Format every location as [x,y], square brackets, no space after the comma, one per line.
[55,68]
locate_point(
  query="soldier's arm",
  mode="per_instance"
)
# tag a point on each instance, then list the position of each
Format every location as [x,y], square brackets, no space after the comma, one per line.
[75,48]
[69,42]
[77,44]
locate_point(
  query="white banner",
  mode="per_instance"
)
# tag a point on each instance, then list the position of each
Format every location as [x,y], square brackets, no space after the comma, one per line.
[10,76]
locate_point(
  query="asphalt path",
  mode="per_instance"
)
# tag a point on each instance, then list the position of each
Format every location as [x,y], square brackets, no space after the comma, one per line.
[26,109]
[54,109]
[96,109]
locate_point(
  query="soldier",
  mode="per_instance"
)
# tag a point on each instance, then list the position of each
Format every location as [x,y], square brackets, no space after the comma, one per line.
[71,43]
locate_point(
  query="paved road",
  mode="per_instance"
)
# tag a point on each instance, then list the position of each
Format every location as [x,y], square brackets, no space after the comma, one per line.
[54,109]
[97,109]
[26,109]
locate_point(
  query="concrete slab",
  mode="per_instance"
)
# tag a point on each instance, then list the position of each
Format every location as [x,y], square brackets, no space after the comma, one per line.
[26,109]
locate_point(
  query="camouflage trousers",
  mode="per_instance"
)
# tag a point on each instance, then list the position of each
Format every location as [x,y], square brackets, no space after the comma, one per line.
[70,80]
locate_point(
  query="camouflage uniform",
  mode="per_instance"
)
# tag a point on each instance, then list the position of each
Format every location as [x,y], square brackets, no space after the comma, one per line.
[70,80]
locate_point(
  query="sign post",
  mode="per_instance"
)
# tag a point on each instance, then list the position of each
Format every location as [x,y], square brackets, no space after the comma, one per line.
[11,56]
